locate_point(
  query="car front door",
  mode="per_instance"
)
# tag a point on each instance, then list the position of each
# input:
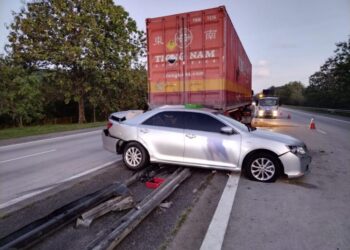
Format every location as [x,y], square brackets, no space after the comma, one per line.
[205,145]
[163,136]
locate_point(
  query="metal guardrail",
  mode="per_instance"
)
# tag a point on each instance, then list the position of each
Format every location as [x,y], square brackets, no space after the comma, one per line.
[36,231]
[32,233]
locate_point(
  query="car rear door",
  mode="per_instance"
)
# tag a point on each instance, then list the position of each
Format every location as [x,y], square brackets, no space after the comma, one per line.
[205,144]
[163,136]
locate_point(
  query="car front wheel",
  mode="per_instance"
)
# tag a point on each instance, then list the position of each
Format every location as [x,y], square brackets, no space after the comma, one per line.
[135,156]
[263,167]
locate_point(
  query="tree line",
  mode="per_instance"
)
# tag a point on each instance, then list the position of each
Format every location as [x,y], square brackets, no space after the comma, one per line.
[71,58]
[328,88]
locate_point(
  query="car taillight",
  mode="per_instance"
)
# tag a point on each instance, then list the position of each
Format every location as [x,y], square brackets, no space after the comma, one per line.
[109,125]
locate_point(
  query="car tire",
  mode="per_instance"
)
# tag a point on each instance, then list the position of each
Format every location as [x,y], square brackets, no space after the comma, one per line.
[262,167]
[135,156]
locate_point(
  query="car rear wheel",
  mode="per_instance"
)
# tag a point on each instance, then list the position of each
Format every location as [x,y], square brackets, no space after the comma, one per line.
[263,167]
[135,156]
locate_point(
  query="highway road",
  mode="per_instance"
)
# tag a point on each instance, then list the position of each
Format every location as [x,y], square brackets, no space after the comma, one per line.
[29,168]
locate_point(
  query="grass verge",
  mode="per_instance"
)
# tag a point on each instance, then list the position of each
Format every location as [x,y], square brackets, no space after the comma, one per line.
[10,133]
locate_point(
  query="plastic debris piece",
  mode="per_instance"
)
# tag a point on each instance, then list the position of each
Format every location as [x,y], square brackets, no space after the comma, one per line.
[166,204]
[154,183]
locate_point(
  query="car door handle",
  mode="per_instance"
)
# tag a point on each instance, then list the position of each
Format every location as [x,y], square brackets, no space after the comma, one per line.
[191,136]
[144,130]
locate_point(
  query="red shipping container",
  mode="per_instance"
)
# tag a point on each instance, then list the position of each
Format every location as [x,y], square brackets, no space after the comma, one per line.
[197,58]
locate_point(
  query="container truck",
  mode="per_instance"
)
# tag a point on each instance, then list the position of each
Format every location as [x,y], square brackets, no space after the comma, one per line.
[198,58]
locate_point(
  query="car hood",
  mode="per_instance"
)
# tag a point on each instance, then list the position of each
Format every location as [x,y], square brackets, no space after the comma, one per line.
[274,136]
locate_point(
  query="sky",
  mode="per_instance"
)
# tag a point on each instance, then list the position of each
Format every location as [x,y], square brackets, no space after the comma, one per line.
[286,40]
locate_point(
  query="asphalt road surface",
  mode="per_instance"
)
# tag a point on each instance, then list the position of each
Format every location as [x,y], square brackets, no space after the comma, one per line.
[32,167]
[306,213]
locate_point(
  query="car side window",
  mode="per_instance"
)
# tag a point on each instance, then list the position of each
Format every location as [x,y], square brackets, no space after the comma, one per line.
[203,122]
[171,119]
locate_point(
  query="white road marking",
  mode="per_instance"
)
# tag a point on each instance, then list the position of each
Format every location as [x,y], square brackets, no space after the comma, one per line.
[14,201]
[49,139]
[315,115]
[321,131]
[214,237]
[26,156]
[90,170]
[29,195]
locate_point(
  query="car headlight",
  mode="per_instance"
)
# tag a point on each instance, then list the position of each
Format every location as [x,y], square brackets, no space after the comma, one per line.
[261,112]
[274,112]
[297,150]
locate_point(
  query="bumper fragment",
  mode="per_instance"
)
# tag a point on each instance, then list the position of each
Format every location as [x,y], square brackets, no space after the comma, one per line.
[109,142]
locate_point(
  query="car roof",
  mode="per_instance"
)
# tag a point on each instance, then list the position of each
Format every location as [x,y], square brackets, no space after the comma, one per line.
[179,108]
[184,108]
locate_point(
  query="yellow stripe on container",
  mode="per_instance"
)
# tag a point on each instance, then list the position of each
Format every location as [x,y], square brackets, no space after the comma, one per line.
[199,85]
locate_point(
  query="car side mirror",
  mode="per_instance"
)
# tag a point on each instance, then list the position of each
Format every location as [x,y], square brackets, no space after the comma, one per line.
[227,130]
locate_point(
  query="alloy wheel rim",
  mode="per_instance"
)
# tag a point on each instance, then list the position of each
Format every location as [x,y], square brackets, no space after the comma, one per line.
[133,156]
[263,169]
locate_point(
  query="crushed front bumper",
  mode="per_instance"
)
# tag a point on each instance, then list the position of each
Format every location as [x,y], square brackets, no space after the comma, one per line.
[295,165]
[109,142]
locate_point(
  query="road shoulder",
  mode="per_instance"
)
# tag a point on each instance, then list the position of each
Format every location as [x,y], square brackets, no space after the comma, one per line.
[7,142]
[195,223]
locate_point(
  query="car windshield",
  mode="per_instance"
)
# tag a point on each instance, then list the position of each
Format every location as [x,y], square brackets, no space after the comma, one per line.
[235,123]
[268,102]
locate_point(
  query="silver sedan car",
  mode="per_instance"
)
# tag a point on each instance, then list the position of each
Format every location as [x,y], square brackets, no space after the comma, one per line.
[203,138]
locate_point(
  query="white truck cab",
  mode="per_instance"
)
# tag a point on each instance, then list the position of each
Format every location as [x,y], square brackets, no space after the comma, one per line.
[268,107]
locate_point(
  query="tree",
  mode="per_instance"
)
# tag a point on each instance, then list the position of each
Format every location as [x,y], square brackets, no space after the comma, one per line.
[330,86]
[20,93]
[290,93]
[81,41]
[136,91]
